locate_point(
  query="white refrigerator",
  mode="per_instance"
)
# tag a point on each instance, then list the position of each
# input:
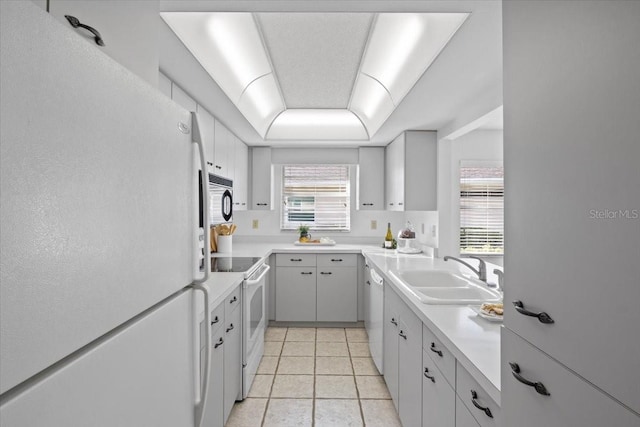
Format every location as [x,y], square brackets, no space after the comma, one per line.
[99,229]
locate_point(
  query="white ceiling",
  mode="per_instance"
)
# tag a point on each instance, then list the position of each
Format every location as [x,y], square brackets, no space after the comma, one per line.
[315,56]
[463,83]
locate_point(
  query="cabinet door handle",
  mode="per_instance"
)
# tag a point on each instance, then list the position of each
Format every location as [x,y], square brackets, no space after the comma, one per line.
[218,167]
[538,386]
[215,320]
[244,204]
[296,259]
[261,204]
[368,283]
[393,320]
[230,328]
[400,203]
[219,343]
[336,259]
[367,204]
[234,299]
[484,409]
[435,350]
[390,204]
[542,316]
[426,374]
[75,23]
[402,334]
[325,272]
[306,272]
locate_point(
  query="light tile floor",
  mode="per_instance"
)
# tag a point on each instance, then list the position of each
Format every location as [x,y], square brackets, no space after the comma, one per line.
[322,377]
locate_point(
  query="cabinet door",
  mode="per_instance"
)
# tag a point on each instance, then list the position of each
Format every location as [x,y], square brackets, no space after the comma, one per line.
[420,160]
[366,297]
[240,176]
[337,294]
[410,370]
[136,48]
[232,360]
[394,174]
[371,178]
[207,130]
[572,234]
[221,150]
[261,179]
[296,294]
[390,343]
[572,401]
[214,409]
[438,397]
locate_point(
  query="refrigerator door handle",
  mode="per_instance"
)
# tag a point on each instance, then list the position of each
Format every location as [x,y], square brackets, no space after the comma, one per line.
[201,401]
[197,139]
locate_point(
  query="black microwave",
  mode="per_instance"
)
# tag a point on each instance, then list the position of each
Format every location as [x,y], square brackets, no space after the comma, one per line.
[220,200]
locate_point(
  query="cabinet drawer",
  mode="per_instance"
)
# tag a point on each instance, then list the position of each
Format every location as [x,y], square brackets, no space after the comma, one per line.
[469,390]
[295,260]
[217,319]
[337,260]
[232,302]
[232,322]
[572,402]
[463,416]
[440,355]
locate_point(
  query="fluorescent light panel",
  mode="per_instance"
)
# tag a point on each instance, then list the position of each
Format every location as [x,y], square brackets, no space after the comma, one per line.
[400,49]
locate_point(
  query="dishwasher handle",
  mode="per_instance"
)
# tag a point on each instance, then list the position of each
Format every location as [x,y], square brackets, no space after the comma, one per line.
[375,277]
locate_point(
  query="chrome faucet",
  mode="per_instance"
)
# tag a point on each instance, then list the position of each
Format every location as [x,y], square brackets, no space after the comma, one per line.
[482,267]
[500,275]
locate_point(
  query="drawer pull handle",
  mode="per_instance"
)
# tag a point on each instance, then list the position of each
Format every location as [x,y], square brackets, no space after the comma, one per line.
[393,321]
[540,388]
[484,409]
[325,272]
[296,259]
[336,259]
[261,204]
[230,328]
[542,316]
[305,272]
[75,23]
[433,348]
[367,204]
[402,334]
[234,299]
[368,282]
[426,372]
[219,343]
[215,320]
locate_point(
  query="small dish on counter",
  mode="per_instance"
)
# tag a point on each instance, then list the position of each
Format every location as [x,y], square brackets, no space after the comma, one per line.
[488,311]
[323,241]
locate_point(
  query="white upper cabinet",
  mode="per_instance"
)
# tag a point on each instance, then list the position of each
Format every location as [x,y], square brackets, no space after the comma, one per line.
[371,178]
[411,172]
[241,176]
[207,129]
[223,156]
[129,30]
[261,179]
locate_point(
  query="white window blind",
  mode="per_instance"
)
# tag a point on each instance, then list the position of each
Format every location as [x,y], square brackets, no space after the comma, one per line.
[317,196]
[481,208]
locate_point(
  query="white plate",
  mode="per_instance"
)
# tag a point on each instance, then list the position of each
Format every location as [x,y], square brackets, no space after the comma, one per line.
[489,317]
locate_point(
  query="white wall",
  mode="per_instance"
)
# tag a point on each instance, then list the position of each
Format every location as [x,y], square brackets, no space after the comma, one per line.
[475,145]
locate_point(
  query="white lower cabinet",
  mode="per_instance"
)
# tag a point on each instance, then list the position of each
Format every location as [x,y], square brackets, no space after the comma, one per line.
[321,288]
[295,294]
[232,359]
[571,401]
[402,350]
[438,397]
[486,412]
[225,376]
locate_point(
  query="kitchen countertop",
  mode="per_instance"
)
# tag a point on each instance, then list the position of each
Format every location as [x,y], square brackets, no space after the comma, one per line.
[474,342]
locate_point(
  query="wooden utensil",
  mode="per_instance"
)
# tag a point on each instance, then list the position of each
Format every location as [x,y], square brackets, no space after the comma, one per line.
[214,240]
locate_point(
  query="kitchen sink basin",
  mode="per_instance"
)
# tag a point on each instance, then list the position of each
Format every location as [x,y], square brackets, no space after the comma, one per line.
[445,287]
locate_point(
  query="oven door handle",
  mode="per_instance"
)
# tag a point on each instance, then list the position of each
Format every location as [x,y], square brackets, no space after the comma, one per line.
[251,282]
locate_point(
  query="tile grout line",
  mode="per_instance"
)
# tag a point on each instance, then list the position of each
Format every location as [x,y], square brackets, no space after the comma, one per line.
[354,380]
[266,407]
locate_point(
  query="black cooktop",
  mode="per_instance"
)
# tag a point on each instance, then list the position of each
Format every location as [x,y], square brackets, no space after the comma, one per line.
[232,264]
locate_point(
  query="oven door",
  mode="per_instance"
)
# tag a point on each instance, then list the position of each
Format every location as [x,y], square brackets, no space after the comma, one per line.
[254,324]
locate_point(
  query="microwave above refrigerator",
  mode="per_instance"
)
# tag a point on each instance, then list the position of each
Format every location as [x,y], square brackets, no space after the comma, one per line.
[220,200]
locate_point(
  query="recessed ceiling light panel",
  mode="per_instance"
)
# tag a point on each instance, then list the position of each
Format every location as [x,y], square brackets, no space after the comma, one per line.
[317,124]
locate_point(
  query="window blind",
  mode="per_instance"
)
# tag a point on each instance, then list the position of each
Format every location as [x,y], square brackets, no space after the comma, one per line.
[317,196]
[481,209]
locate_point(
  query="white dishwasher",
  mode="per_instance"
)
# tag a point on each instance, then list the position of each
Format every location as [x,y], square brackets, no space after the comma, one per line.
[376,308]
